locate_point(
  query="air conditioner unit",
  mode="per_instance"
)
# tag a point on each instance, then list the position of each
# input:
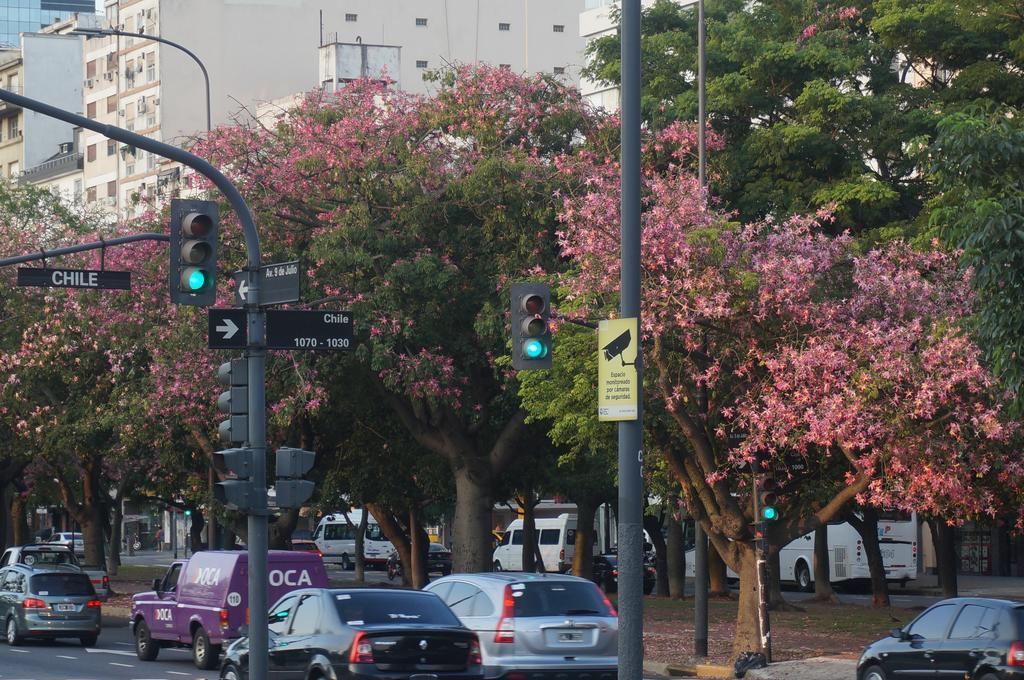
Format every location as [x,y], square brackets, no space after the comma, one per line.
[89,82]
[142,108]
[139,67]
[149,13]
[108,76]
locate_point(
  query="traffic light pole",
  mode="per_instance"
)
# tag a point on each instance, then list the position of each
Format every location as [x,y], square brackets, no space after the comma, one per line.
[764,628]
[257,539]
[630,511]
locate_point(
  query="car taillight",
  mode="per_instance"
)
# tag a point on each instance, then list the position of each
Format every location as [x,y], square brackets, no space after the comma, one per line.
[1015,657]
[615,572]
[223,618]
[474,653]
[247,616]
[33,603]
[607,602]
[106,581]
[506,630]
[362,649]
[94,604]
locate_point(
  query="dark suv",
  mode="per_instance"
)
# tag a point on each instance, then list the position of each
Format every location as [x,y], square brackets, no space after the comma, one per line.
[964,637]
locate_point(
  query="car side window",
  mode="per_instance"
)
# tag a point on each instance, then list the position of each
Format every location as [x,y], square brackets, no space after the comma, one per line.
[482,605]
[277,620]
[442,590]
[19,582]
[549,536]
[170,583]
[12,582]
[460,598]
[505,538]
[517,537]
[306,620]
[968,625]
[933,624]
[318,532]
[6,559]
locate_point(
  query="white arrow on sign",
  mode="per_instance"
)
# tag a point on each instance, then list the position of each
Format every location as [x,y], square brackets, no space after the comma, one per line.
[228,328]
[243,289]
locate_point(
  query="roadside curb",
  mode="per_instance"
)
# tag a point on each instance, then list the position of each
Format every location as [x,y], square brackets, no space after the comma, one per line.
[814,668]
[670,670]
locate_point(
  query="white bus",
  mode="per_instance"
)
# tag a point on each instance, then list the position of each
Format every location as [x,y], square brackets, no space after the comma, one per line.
[556,537]
[897,537]
[335,538]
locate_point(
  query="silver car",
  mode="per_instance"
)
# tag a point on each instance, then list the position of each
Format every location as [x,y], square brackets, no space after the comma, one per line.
[536,626]
[59,602]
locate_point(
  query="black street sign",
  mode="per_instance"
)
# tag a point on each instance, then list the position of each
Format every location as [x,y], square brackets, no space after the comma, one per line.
[279,284]
[74,278]
[228,329]
[320,330]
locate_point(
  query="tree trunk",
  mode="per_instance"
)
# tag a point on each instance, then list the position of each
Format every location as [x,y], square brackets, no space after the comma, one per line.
[653,526]
[822,570]
[583,554]
[472,524]
[364,521]
[676,559]
[776,602]
[947,562]
[529,557]
[748,636]
[195,530]
[419,544]
[7,494]
[114,546]
[279,533]
[230,537]
[718,583]
[867,527]
[396,533]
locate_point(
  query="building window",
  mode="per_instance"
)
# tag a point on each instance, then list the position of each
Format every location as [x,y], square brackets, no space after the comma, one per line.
[12,169]
[112,188]
[504,27]
[129,169]
[111,147]
[150,73]
[351,17]
[12,127]
[90,153]
[507,67]
[111,104]
[558,28]
[150,161]
[90,194]
[421,63]
[78,188]
[90,110]
[151,120]
[421,21]
[90,68]
[559,70]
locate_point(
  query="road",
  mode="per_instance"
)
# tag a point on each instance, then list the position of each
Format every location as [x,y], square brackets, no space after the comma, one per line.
[113,658]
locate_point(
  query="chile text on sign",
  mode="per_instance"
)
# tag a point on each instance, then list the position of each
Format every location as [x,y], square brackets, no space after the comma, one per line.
[279,283]
[228,329]
[74,278]
[323,330]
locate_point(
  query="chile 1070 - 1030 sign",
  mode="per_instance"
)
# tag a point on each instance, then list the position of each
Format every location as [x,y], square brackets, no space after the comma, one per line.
[319,331]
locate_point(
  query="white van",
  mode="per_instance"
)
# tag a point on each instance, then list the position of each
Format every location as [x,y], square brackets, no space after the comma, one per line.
[335,538]
[556,537]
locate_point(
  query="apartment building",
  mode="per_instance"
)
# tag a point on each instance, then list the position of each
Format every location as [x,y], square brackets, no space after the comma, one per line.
[29,16]
[259,51]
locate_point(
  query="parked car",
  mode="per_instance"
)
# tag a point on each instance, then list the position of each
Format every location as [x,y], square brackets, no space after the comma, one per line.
[362,633]
[554,625]
[55,554]
[556,539]
[439,559]
[201,602]
[72,540]
[55,602]
[335,536]
[304,545]
[606,574]
[963,637]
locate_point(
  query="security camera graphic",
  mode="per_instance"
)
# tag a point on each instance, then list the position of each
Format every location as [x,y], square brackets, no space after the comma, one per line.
[616,347]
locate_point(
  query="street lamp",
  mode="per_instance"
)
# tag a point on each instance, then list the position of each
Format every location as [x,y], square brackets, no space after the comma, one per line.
[97,32]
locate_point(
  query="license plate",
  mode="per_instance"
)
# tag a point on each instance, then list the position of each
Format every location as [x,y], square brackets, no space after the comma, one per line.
[64,607]
[570,637]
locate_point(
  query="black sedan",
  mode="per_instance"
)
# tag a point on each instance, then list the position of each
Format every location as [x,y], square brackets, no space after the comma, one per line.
[606,574]
[964,637]
[439,559]
[362,633]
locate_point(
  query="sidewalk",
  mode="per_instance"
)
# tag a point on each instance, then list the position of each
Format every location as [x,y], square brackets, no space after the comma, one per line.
[818,668]
[1010,587]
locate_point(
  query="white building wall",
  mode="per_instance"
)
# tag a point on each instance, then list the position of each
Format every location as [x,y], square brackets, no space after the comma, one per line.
[52,73]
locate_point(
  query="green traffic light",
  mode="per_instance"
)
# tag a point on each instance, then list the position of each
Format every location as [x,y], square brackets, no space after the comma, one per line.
[187,513]
[535,349]
[197,280]
[770,513]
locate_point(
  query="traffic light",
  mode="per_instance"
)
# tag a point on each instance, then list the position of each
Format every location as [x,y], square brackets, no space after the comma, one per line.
[531,335]
[193,266]
[767,497]
[234,375]
[291,465]
[237,491]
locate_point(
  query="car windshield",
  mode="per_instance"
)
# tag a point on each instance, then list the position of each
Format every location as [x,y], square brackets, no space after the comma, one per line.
[377,608]
[61,584]
[47,557]
[438,548]
[558,598]
[613,560]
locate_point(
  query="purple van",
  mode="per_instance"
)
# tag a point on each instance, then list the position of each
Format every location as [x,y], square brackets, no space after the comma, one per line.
[201,602]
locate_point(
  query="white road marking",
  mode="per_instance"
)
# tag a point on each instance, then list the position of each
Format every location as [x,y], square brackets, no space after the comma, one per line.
[177,673]
[108,651]
[126,644]
[122,665]
[61,656]
[21,651]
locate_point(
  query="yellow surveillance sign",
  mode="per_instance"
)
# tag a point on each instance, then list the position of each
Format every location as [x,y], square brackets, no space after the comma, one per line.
[617,342]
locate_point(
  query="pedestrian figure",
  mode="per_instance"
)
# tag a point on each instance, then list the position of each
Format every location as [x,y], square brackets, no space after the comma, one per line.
[159,540]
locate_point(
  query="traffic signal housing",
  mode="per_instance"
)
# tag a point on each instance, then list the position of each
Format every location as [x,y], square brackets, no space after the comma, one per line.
[193,265]
[234,375]
[236,492]
[291,465]
[531,331]
[767,497]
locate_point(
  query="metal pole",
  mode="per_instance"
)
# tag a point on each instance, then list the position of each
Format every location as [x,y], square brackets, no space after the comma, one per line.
[174,532]
[764,628]
[255,319]
[700,557]
[165,41]
[630,532]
